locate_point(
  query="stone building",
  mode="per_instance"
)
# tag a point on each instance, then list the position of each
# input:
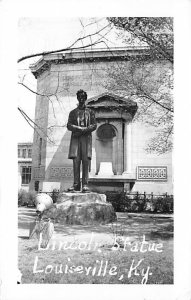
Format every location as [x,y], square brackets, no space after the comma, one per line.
[119,161]
[24,165]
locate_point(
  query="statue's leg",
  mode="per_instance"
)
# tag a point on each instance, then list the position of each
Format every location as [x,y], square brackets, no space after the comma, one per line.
[85,166]
[76,169]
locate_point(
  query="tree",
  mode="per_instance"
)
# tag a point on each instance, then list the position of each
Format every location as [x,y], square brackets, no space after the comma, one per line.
[148,78]
[156,33]
[141,79]
[94,32]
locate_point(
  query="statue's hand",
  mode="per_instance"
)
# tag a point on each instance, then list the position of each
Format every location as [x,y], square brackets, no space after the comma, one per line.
[80,131]
[84,130]
[88,129]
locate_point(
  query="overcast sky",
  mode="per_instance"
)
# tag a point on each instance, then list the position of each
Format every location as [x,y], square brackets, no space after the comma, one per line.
[45,34]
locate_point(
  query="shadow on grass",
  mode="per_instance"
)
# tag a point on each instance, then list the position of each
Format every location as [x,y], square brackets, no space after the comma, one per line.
[164,233]
[152,226]
[128,225]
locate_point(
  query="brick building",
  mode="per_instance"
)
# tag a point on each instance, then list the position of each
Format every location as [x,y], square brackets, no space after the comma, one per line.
[119,161]
[24,165]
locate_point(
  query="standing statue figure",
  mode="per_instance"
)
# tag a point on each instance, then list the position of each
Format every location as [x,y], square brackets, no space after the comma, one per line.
[81,122]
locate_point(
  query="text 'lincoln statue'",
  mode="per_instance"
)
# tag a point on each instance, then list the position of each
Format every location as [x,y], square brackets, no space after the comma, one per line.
[81,122]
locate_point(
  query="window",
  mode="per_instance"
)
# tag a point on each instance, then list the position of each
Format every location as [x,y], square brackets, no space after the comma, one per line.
[26,175]
[24,153]
[19,153]
[29,153]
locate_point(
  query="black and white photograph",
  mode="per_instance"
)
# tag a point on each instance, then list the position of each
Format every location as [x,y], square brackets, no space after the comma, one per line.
[95,191]
[95,180]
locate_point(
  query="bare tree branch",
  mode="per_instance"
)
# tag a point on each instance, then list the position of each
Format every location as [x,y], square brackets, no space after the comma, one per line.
[155,101]
[67,48]
[33,124]
[169,134]
[39,94]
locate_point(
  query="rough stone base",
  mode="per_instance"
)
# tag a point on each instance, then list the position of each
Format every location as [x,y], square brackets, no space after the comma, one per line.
[82,209]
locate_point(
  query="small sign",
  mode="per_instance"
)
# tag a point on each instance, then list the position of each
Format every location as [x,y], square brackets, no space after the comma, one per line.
[152,173]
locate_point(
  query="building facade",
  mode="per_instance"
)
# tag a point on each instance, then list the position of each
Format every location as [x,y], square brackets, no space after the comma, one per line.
[119,160]
[24,165]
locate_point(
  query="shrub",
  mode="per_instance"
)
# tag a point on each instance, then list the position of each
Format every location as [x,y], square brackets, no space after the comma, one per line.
[123,202]
[163,204]
[26,198]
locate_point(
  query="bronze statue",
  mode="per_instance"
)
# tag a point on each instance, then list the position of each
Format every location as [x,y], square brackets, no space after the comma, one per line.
[81,122]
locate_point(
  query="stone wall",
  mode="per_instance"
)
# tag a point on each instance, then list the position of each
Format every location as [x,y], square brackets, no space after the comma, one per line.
[140,136]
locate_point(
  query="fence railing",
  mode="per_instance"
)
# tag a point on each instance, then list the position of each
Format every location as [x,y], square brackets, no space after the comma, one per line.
[148,195]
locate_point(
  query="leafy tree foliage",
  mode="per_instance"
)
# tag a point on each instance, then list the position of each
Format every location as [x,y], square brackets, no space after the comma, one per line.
[148,79]
[156,33]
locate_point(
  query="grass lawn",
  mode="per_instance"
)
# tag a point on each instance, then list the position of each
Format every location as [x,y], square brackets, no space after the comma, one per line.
[136,249]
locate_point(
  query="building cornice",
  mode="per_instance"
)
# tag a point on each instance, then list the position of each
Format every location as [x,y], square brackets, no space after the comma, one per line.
[95,55]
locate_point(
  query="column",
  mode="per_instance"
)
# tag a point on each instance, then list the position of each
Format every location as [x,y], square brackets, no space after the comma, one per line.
[93,163]
[114,155]
[127,148]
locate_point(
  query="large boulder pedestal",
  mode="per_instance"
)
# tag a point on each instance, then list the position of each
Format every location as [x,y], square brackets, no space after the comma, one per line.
[82,209]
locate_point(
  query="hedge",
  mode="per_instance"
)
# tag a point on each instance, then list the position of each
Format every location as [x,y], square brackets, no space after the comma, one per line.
[136,202]
[26,198]
[121,202]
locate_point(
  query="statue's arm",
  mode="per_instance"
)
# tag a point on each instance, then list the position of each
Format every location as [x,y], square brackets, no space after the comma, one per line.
[71,126]
[93,122]
[74,128]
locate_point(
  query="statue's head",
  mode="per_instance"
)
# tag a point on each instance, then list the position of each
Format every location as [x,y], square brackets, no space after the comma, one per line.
[81,96]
